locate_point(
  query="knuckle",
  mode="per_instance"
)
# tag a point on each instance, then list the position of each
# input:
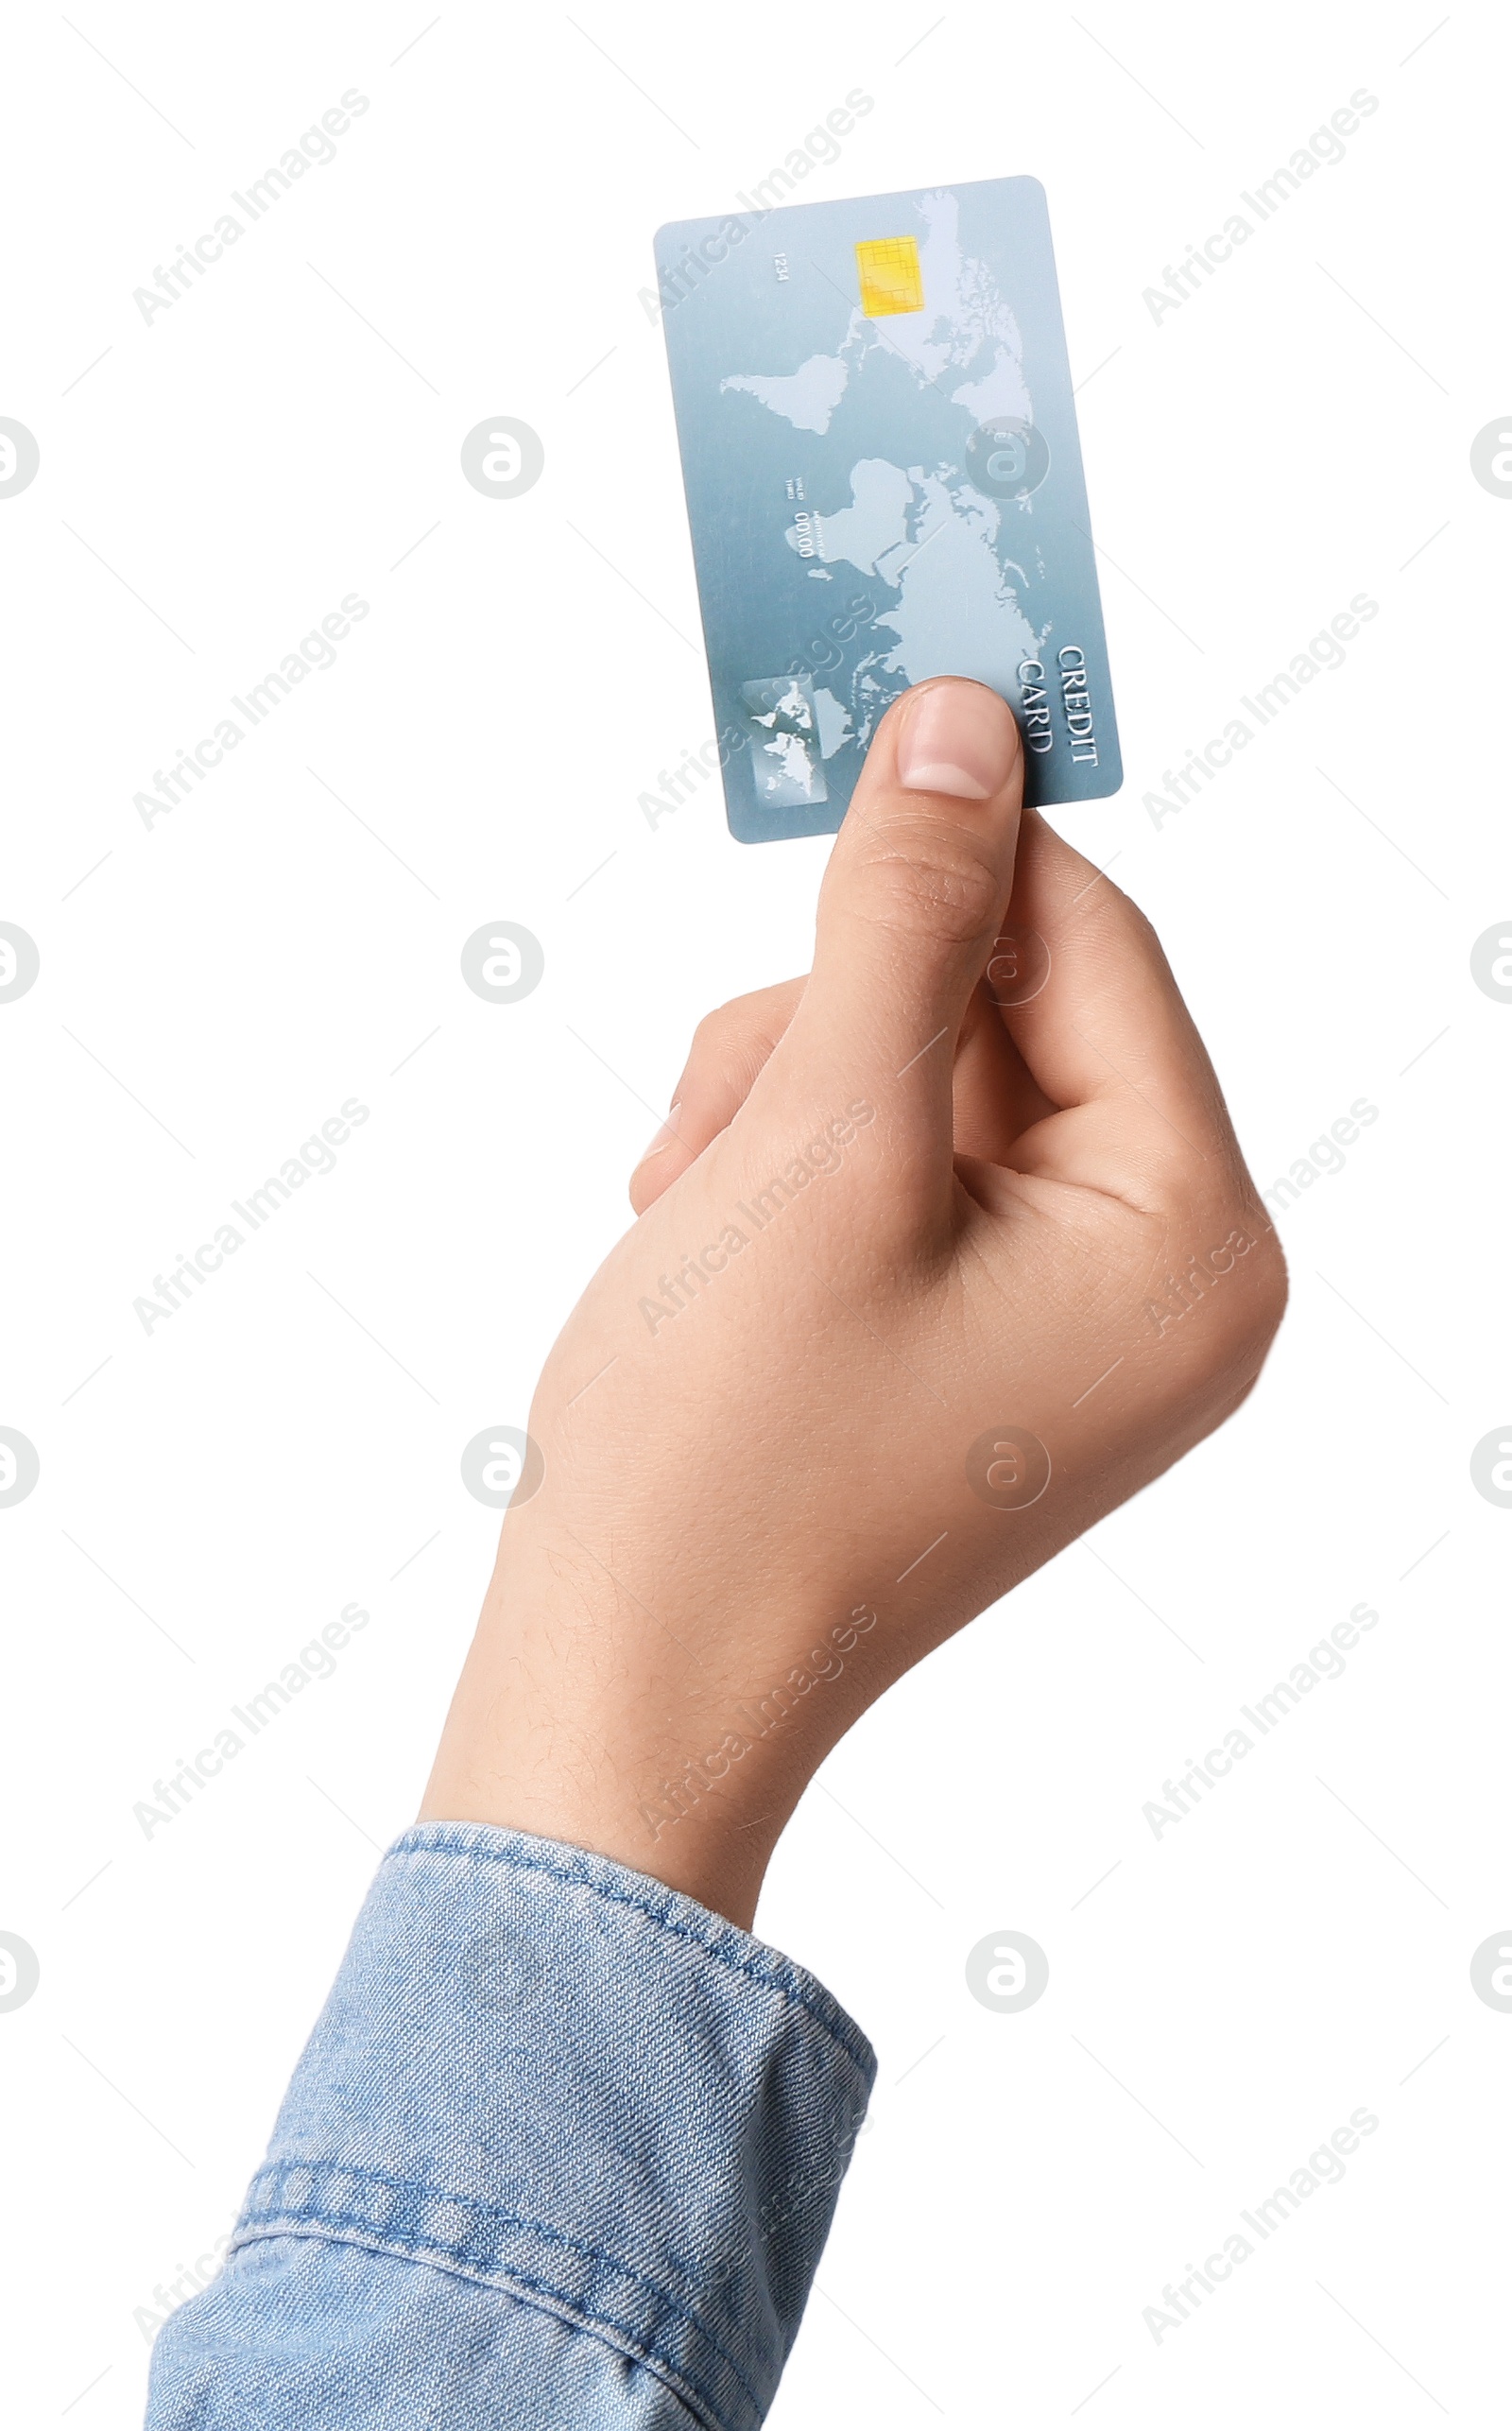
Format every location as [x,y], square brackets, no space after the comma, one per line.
[718,1032]
[943,887]
[1269,1290]
[734,1040]
[1224,1301]
[1106,901]
[1116,918]
[738,1017]
[1251,1316]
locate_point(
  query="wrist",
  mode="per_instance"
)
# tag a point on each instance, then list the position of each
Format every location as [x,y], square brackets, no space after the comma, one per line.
[580,1717]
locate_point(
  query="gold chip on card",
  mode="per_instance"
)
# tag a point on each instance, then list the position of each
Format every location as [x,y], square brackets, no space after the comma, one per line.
[891,280]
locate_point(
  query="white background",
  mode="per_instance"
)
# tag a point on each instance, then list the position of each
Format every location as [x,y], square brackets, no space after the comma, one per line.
[212,988]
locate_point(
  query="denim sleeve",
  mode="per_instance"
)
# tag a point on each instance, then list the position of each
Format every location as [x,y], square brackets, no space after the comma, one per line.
[562,2154]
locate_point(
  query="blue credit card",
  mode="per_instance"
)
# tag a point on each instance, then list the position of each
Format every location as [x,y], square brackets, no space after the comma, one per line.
[884,482]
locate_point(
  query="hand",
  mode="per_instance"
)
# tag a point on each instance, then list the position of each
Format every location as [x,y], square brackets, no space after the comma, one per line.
[923,1283]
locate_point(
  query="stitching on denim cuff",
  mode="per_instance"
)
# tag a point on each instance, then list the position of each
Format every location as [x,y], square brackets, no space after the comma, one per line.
[271,2219]
[420,1842]
[518,2285]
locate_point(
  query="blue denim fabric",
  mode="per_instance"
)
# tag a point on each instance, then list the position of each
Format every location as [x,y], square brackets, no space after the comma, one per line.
[563,2152]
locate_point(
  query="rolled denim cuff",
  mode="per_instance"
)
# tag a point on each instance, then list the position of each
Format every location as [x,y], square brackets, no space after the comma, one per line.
[549,2074]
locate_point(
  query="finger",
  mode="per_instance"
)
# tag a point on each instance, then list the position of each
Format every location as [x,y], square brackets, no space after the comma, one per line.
[730,1049]
[997,1099]
[1109,1030]
[911,904]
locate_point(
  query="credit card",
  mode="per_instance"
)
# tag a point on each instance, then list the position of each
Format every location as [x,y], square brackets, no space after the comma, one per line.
[884,482]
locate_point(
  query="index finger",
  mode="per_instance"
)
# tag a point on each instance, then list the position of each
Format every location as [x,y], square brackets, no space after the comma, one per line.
[1109,1023]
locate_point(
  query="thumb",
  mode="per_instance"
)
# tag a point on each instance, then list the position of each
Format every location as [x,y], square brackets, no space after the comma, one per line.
[913,899]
